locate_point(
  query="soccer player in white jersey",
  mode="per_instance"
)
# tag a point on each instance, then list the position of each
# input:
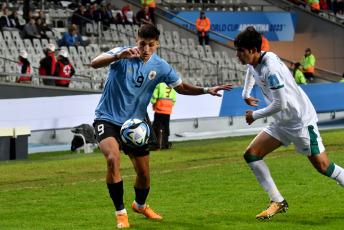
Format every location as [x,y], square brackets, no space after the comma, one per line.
[133,75]
[294,118]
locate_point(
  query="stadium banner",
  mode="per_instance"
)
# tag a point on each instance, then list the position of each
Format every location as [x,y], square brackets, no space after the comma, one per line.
[276,26]
[43,113]
[325,97]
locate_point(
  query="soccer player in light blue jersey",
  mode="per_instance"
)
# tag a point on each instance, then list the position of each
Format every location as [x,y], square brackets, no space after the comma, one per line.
[295,119]
[133,75]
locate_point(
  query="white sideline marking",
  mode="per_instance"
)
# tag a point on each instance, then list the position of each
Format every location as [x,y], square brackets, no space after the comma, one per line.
[103,179]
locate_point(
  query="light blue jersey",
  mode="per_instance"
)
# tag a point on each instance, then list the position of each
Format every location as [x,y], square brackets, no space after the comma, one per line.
[129,87]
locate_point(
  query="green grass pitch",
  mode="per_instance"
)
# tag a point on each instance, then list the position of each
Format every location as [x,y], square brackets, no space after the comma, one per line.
[196,185]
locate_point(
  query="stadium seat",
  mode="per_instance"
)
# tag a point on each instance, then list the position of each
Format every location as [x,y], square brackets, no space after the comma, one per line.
[16,35]
[11,44]
[53,15]
[3,45]
[129,30]
[82,51]
[20,44]
[191,43]
[7,35]
[201,52]
[28,43]
[135,30]
[73,51]
[50,34]
[162,41]
[37,44]
[121,29]
[44,42]
[89,29]
[160,28]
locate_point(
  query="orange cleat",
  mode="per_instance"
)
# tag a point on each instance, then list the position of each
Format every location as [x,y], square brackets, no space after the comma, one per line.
[149,213]
[122,221]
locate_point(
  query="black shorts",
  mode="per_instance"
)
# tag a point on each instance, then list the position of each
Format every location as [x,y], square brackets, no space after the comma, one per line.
[104,129]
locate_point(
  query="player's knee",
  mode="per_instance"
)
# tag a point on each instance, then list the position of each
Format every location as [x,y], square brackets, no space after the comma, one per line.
[111,160]
[249,158]
[143,174]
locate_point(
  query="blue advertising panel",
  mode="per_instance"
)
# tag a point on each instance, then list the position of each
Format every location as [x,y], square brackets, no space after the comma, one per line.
[275,26]
[325,97]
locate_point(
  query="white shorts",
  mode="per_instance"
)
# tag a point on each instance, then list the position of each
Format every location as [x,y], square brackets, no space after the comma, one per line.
[307,140]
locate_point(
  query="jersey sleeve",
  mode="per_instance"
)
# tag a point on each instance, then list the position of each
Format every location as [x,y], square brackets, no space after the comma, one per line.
[274,81]
[279,101]
[172,79]
[249,83]
[116,51]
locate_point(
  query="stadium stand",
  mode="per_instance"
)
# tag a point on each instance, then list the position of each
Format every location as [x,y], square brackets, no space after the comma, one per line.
[189,59]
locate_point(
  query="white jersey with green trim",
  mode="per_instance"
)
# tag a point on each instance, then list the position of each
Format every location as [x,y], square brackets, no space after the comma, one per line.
[286,102]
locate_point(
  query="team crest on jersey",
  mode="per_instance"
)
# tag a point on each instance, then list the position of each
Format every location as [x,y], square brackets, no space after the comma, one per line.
[273,80]
[152,74]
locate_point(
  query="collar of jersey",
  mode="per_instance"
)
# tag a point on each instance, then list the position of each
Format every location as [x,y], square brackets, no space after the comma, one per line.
[261,58]
[148,59]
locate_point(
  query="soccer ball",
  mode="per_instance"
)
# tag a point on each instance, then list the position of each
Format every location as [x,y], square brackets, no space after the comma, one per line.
[135,133]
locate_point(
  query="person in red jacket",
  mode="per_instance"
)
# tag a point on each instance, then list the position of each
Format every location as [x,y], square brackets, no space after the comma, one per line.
[203,28]
[47,64]
[24,67]
[63,69]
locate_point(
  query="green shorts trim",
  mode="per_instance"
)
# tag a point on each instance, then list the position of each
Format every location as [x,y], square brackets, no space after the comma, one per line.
[313,141]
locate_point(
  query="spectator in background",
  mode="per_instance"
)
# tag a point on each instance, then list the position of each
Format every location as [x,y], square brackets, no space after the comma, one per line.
[163,100]
[151,6]
[78,18]
[338,5]
[340,16]
[127,11]
[298,75]
[47,64]
[2,7]
[6,22]
[44,21]
[342,78]
[265,43]
[63,69]
[70,38]
[323,4]
[102,16]
[90,13]
[308,64]
[15,21]
[30,30]
[24,67]
[315,6]
[41,29]
[330,4]
[203,28]
[143,16]
[108,10]
[28,17]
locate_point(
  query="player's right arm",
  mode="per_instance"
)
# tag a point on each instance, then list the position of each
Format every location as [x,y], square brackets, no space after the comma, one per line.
[189,89]
[106,59]
[249,83]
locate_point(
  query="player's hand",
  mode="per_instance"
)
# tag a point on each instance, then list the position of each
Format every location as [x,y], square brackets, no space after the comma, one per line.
[214,90]
[249,117]
[129,53]
[252,101]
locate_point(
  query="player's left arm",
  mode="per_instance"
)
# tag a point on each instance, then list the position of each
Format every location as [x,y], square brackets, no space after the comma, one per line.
[189,89]
[106,59]
[278,104]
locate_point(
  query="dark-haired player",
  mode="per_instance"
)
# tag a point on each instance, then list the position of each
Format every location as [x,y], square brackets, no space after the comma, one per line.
[295,119]
[133,75]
